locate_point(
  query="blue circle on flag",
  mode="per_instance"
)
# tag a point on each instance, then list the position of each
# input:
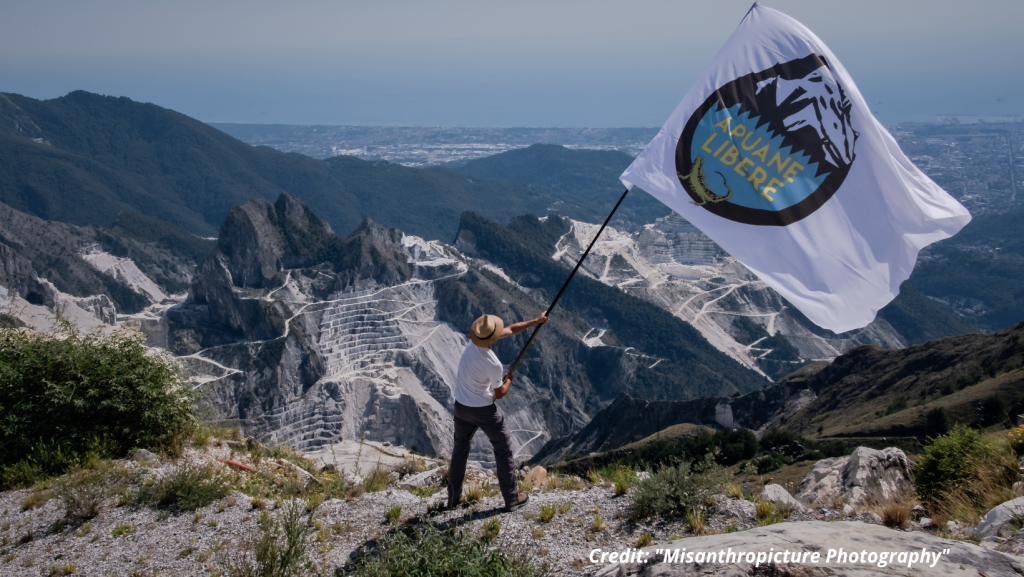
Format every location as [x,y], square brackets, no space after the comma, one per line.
[771,147]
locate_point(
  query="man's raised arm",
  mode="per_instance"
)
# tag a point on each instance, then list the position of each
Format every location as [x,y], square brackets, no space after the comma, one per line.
[520,327]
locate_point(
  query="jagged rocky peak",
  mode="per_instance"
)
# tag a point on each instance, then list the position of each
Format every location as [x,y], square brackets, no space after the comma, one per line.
[259,239]
[371,253]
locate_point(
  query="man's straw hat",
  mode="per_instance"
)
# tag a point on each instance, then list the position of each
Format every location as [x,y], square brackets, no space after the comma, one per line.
[486,330]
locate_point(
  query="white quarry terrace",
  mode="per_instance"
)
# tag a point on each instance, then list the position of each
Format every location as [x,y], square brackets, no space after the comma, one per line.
[389,363]
[677,267]
[123,268]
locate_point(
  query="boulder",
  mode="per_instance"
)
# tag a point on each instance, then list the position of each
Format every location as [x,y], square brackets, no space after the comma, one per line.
[536,476]
[738,508]
[424,479]
[867,475]
[777,493]
[302,474]
[1002,516]
[918,512]
[1014,545]
[146,458]
[820,536]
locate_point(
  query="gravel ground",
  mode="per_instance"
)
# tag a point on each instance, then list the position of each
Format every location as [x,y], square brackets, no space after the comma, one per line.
[187,543]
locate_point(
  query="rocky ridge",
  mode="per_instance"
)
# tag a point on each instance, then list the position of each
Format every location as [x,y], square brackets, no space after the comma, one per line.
[127,537]
[867,395]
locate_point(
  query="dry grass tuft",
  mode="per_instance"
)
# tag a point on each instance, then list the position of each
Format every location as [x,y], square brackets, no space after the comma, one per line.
[696,521]
[896,514]
[474,493]
[376,480]
[36,500]
[564,483]
[735,491]
[547,513]
[644,540]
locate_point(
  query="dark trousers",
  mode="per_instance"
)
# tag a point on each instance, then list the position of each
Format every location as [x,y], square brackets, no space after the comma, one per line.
[488,419]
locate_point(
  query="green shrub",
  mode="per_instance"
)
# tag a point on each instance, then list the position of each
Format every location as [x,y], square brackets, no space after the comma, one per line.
[964,475]
[547,513]
[491,528]
[190,486]
[680,488]
[393,514]
[898,404]
[20,474]
[280,549]
[68,398]
[376,480]
[82,493]
[619,474]
[949,461]
[426,551]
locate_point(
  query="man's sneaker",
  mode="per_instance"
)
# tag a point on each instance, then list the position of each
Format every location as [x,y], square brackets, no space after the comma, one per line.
[462,502]
[523,498]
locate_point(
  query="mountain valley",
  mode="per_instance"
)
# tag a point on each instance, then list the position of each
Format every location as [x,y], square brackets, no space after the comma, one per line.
[307,338]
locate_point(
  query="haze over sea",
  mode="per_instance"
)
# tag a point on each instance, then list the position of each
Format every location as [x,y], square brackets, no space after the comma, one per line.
[566,64]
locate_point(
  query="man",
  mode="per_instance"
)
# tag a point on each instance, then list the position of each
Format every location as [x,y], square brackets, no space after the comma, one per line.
[478,384]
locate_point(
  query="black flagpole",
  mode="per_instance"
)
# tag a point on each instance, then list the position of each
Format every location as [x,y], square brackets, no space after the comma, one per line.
[572,274]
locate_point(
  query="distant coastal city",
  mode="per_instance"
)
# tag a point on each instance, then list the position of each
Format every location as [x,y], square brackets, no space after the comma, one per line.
[976,159]
[430,146]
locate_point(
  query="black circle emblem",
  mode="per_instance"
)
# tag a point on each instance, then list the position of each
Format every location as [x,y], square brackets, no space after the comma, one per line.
[771,147]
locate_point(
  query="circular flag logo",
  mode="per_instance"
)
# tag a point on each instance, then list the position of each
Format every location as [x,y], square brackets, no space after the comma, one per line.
[771,147]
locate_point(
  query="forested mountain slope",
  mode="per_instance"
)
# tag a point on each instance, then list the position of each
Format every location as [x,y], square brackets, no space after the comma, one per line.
[83,158]
[581,177]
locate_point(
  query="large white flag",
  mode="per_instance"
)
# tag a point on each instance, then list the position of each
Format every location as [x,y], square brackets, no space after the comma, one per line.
[775,155]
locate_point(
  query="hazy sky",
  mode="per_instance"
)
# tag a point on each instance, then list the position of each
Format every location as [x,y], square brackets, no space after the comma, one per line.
[483,63]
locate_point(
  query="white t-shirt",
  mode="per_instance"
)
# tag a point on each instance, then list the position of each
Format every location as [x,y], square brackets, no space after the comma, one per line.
[479,374]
